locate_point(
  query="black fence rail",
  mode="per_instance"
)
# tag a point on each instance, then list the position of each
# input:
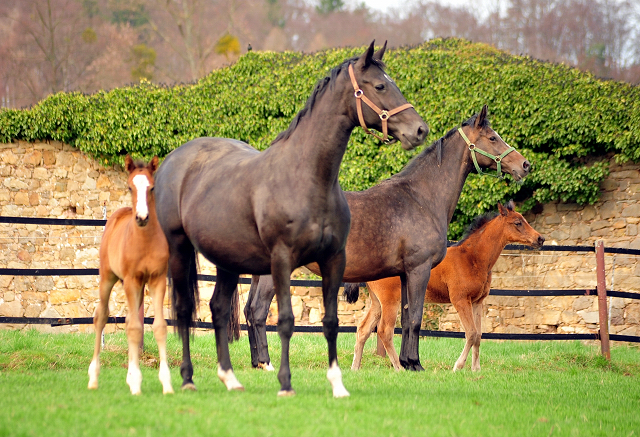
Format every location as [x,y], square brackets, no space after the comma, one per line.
[600,292]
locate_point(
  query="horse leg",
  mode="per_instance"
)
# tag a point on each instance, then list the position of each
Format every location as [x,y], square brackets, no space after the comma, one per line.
[414,287]
[134,293]
[365,328]
[386,327]
[184,296]
[465,311]
[157,289]
[107,281]
[332,271]
[220,306]
[477,316]
[281,274]
[256,311]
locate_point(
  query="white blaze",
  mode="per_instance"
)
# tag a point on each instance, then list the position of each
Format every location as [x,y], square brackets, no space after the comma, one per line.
[141,183]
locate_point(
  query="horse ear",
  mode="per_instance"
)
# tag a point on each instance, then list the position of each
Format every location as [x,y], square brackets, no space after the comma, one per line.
[503,210]
[128,163]
[481,117]
[365,60]
[380,53]
[153,165]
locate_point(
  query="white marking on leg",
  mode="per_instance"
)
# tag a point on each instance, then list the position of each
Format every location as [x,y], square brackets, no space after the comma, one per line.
[141,183]
[268,367]
[334,375]
[164,375]
[134,378]
[229,379]
[94,371]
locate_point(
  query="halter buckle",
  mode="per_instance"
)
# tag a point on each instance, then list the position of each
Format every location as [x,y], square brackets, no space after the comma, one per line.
[358,93]
[384,115]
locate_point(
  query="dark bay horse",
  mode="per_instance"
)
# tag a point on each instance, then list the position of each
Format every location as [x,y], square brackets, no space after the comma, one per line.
[134,249]
[271,212]
[463,278]
[399,227]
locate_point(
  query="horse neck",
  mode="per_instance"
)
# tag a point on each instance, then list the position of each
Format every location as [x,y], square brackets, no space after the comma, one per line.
[319,141]
[487,243]
[440,185]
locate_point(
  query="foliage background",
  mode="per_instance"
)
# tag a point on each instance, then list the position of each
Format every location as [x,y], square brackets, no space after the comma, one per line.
[566,122]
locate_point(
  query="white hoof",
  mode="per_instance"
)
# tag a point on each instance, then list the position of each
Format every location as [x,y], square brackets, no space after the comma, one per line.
[165,378]
[268,367]
[334,375]
[229,379]
[94,371]
[286,393]
[134,379]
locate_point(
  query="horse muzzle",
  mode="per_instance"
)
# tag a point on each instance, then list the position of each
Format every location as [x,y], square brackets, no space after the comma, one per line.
[142,222]
[414,136]
[520,173]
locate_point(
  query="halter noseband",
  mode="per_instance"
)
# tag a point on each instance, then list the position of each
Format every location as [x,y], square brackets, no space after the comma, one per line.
[383,114]
[497,159]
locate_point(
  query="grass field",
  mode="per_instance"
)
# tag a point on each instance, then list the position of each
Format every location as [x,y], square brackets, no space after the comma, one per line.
[523,389]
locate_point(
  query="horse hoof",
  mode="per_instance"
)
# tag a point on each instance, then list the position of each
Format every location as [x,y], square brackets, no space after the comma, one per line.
[189,386]
[93,385]
[169,391]
[266,366]
[286,393]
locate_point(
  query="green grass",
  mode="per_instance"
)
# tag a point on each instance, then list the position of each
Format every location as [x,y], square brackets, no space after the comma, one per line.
[524,389]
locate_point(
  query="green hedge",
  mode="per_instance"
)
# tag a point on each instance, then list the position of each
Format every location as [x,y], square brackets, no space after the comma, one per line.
[558,117]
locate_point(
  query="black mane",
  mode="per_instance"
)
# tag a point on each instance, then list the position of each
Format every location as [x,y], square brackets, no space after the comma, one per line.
[436,146]
[318,90]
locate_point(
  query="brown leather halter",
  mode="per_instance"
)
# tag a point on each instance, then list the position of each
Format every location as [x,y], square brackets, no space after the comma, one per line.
[382,113]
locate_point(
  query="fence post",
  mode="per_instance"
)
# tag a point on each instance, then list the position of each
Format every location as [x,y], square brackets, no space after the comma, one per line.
[602,300]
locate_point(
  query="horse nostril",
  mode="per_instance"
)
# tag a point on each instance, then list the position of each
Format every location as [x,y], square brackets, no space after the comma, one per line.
[541,240]
[526,165]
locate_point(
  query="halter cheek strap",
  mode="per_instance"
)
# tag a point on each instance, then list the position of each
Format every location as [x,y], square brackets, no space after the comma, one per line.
[497,159]
[383,114]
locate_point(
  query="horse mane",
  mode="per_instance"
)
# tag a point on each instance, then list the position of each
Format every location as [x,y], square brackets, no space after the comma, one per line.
[319,89]
[436,146]
[480,221]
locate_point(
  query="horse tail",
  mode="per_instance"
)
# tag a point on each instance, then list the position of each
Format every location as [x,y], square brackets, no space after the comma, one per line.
[352,291]
[233,329]
[185,304]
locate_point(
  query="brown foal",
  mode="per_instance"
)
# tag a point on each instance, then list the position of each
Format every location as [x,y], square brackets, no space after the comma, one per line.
[134,250]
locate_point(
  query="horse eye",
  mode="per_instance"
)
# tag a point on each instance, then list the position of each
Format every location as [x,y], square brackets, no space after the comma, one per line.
[129,189]
[518,223]
[492,138]
[152,188]
[380,87]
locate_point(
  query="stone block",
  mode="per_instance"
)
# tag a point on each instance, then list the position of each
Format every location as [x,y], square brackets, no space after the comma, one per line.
[11,309]
[58,297]
[589,317]
[21,198]
[44,283]
[33,310]
[609,210]
[632,210]
[582,303]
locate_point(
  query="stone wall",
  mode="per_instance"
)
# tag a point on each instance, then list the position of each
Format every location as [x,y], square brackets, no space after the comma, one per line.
[55,180]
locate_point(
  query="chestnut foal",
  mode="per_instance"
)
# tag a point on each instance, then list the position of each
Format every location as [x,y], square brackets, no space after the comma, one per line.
[134,250]
[463,278]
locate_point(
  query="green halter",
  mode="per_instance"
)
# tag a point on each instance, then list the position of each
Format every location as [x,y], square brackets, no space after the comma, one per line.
[474,149]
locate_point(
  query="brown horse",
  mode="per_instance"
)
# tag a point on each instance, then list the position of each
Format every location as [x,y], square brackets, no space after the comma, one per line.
[134,250]
[463,278]
[399,226]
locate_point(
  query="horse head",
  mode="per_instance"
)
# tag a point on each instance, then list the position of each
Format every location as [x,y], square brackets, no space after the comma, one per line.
[141,186]
[488,150]
[380,104]
[516,229]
